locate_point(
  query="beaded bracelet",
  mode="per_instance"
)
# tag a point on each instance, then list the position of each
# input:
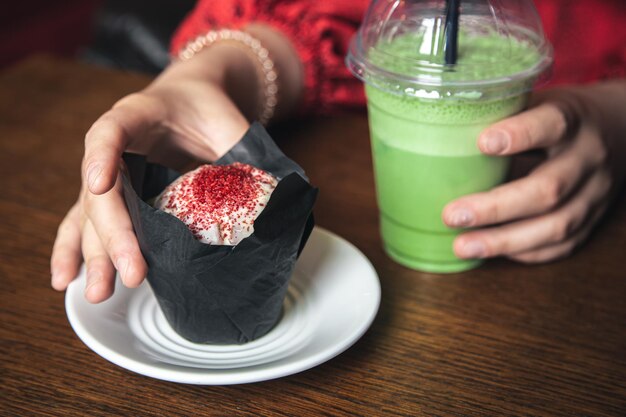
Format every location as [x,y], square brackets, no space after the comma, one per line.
[266,65]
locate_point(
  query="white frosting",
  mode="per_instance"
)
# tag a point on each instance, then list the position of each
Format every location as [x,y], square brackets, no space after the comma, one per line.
[225,215]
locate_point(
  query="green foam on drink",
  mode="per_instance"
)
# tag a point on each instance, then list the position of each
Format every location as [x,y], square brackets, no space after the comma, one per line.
[482,56]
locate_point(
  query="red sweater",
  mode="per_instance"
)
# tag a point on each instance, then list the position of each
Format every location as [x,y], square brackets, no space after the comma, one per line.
[589,39]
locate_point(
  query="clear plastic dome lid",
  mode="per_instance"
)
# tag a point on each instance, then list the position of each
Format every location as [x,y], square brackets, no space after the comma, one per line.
[400,48]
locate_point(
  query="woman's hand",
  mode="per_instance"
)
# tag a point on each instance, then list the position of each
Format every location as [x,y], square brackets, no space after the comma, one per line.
[177,119]
[547,214]
[195,111]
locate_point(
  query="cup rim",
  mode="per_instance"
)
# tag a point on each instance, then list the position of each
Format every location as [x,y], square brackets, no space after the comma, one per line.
[429,87]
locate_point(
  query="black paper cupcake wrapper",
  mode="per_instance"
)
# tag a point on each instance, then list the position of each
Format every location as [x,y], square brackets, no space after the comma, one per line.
[223,294]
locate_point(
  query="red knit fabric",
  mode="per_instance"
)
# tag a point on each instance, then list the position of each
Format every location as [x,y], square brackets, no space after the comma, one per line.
[589,38]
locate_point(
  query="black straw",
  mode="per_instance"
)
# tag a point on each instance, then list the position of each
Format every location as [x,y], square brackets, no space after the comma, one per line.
[451,32]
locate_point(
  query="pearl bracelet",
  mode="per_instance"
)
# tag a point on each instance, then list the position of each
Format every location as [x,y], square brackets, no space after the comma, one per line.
[266,65]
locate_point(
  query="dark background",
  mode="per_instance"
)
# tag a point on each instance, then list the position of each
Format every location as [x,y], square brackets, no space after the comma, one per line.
[127,34]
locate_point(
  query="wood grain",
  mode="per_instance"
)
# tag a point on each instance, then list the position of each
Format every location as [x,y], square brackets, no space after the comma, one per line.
[505,339]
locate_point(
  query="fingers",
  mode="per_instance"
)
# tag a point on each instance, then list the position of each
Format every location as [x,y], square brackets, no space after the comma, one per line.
[111,221]
[110,136]
[541,191]
[100,271]
[66,253]
[108,222]
[539,127]
[562,249]
[549,229]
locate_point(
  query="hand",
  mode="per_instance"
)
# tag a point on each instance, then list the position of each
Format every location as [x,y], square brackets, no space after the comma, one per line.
[550,212]
[194,111]
[177,119]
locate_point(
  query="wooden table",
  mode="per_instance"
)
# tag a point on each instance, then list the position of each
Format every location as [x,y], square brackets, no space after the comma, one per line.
[505,339]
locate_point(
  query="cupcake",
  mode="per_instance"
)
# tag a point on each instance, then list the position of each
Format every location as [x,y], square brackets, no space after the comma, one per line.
[221,242]
[219,203]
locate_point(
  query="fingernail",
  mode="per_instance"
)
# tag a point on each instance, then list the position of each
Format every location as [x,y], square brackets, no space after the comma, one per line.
[122,264]
[93,174]
[461,217]
[473,249]
[496,141]
[93,278]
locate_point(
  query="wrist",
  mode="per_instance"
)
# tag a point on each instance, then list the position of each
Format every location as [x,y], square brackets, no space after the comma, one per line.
[225,65]
[245,65]
[221,59]
[287,63]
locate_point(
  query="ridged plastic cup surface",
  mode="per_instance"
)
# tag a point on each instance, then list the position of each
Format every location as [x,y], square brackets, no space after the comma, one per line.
[425,117]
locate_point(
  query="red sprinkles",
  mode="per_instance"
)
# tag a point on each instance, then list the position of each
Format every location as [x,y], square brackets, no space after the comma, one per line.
[219,203]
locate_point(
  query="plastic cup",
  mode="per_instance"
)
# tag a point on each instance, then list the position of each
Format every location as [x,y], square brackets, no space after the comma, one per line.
[425,116]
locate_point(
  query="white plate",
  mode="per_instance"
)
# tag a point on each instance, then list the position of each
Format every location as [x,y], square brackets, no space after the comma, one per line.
[332,299]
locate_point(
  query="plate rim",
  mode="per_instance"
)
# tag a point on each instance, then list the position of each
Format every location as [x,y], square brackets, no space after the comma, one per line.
[256,373]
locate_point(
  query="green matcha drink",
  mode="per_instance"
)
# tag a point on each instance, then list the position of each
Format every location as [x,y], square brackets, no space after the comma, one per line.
[424,160]
[425,119]
[425,156]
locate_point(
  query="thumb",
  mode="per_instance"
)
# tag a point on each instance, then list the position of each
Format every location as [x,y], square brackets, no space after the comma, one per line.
[128,122]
